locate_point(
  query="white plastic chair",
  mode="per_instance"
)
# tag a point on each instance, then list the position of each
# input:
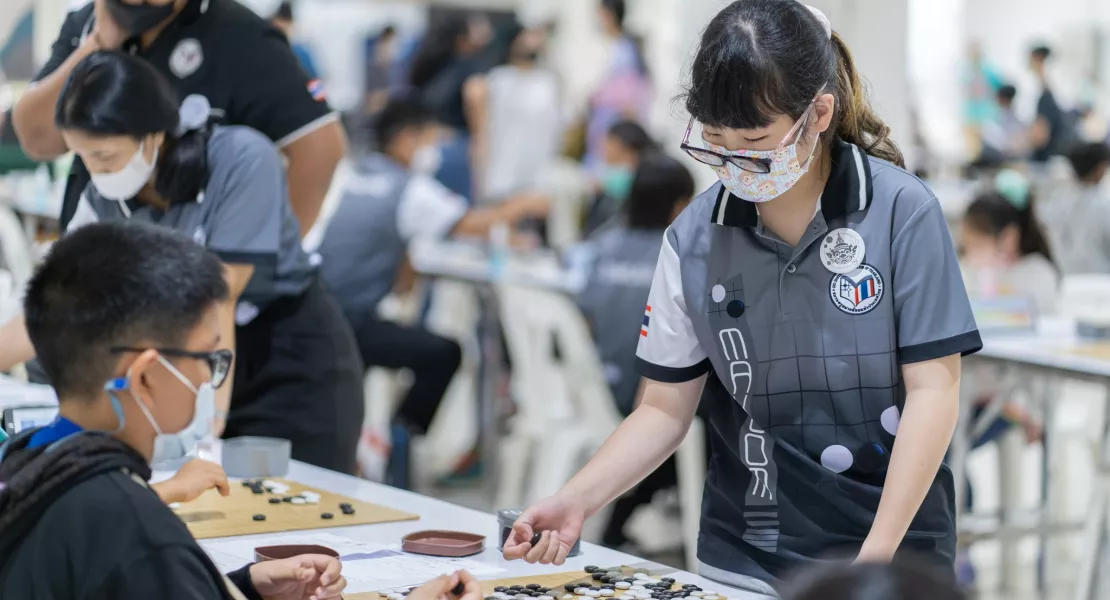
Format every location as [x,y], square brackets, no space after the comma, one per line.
[546,389]
[16,249]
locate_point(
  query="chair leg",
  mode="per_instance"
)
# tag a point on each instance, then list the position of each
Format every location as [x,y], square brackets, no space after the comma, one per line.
[516,450]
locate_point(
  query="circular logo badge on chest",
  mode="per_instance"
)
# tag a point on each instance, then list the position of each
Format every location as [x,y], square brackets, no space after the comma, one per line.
[186,58]
[843,251]
[858,292]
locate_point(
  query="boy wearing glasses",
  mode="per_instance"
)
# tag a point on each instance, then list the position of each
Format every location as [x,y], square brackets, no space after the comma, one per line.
[124,319]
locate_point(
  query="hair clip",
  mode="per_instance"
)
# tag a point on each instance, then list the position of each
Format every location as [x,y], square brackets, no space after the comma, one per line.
[823,19]
[194,114]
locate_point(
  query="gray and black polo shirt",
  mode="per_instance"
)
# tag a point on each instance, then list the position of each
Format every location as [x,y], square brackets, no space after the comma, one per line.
[243,216]
[805,405]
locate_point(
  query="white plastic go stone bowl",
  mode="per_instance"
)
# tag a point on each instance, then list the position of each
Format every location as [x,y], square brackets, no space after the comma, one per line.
[251,457]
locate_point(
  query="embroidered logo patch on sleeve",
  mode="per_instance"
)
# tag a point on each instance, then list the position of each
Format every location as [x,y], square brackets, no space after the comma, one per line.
[647,321]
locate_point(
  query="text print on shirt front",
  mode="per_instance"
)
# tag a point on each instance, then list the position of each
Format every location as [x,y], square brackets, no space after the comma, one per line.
[760,507]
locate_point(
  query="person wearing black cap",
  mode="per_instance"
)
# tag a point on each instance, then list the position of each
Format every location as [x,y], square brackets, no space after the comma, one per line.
[215,48]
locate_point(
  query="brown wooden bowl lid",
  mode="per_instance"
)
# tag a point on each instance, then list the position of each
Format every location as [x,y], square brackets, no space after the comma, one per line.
[265,553]
[452,544]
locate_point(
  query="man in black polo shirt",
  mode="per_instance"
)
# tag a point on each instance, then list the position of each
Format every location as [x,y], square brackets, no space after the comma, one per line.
[215,48]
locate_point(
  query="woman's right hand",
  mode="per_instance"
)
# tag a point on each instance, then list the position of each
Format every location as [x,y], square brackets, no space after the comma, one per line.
[444,586]
[558,521]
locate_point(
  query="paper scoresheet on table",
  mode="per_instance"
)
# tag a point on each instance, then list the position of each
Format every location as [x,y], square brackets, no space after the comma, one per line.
[368,567]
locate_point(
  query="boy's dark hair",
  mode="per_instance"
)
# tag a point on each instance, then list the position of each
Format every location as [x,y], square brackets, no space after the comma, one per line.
[659,184]
[617,9]
[900,580]
[633,136]
[1087,158]
[1041,52]
[1007,93]
[399,114]
[991,213]
[116,284]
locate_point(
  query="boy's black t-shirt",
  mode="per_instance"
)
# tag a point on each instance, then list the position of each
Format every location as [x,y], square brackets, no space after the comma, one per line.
[111,537]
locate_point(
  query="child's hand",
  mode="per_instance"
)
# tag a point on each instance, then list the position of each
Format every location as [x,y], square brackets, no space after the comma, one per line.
[193,479]
[460,585]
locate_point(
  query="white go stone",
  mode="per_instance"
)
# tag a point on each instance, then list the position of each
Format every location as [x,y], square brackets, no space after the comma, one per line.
[622,585]
[642,596]
[298,501]
[697,594]
[709,593]
[501,596]
[593,593]
[581,591]
[567,597]
[545,597]
[710,597]
[605,592]
[396,597]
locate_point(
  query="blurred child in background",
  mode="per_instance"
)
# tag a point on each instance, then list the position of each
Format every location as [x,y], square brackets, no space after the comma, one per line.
[1005,251]
[625,143]
[614,298]
[1078,217]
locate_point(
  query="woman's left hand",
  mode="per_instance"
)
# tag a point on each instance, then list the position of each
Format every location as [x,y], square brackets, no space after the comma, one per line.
[305,577]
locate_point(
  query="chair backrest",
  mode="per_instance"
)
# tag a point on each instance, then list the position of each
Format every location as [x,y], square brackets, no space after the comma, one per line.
[15,248]
[553,319]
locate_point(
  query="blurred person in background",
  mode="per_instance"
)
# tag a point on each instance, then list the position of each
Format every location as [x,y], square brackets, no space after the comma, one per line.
[155,159]
[283,21]
[625,90]
[519,133]
[1078,215]
[617,289]
[1005,256]
[900,580]
[1050,135]
[218,49]
[1005,137]
[381,66]
[448,71]
[624,144]
[1005,250]
[390,202]
[982,83]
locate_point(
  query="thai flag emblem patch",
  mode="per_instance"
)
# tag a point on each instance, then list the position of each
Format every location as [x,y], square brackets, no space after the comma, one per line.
[858,292]
[647,321]
[316,89]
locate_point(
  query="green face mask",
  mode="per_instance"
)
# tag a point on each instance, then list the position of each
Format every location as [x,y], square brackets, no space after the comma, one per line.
[616,182]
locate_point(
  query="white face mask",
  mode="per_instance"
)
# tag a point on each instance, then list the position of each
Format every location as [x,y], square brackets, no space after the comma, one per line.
[427,160]
[125,184]
[175,446]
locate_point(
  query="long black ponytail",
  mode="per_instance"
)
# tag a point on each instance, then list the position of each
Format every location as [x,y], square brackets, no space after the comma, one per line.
[111,93]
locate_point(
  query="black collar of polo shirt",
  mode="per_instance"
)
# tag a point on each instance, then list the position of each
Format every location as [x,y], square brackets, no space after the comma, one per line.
[849,189]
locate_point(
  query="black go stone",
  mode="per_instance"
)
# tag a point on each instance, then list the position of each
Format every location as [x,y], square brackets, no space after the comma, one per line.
[348,510]
[458,589]
[608,586]
[500,589]
[570,587]
[604,579]
[490,598]
[533,586]
[275,500]
[629,580]
[256,490]
[247,483]
[516,588]
[598,575]
[667,580]
[327,516]
[544,590]
[536,538]
[590,568]
[259,517]
[287,499]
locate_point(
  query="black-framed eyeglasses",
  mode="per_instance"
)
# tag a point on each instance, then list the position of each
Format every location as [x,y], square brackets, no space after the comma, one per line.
[219,361]
[752,161]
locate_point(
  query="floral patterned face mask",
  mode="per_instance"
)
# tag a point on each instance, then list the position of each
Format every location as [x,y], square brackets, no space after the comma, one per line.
[758,175]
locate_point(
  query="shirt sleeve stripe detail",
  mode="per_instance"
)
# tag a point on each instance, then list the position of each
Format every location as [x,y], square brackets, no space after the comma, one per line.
[307,129]
[671,374]
[258,259]
[963,344]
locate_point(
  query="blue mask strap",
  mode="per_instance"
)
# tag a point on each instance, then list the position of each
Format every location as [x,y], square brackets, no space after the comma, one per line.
[113,387]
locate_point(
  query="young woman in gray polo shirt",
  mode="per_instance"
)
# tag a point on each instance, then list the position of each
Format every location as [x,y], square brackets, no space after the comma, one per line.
[812,301]
[297,374]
